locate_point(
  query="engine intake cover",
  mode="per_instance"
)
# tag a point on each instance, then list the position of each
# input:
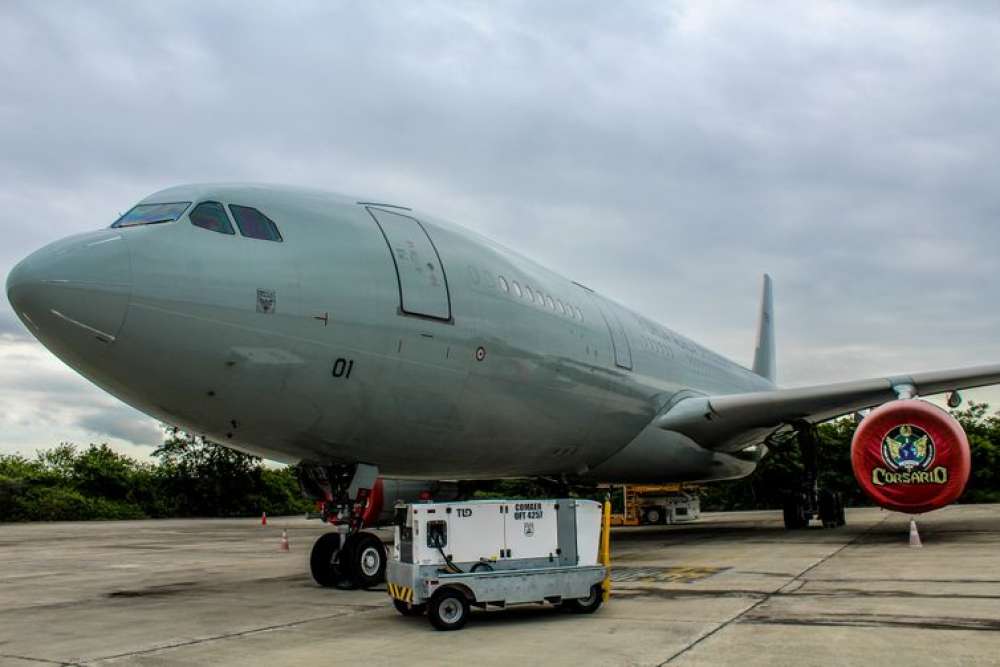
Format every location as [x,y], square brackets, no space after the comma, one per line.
[911,456]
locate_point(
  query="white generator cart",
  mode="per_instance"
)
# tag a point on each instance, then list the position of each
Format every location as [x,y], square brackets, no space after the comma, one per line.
[450,556]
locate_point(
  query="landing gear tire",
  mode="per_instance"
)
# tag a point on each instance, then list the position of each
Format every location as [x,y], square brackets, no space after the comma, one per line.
[652,515]
[367,559]
[589,604]
[325,561]
[407,609]
[831,509]
[828,508]
[795,513]
[448,610]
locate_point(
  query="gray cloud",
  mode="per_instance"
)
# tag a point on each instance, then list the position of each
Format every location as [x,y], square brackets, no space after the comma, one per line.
[10,327]
[44,403]
[665,156]
[122,423]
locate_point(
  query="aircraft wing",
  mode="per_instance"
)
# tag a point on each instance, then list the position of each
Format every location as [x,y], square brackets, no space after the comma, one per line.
[734,421]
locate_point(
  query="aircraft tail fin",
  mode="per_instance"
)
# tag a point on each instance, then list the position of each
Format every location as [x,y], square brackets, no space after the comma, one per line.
[763,354]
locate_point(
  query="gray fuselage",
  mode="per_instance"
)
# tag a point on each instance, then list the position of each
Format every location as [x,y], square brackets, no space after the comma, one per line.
[372,334]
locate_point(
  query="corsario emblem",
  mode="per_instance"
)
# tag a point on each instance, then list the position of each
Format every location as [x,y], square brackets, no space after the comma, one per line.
[907,447]
[908,452]
[911,456]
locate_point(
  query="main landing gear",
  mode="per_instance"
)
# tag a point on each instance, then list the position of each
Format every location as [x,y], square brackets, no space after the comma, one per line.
[349,557]
[811,501]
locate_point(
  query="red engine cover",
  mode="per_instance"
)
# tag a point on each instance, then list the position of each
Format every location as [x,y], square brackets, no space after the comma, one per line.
[911,456]
[370,515]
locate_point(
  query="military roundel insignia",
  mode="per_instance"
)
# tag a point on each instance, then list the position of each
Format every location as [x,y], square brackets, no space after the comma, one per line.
[907,447]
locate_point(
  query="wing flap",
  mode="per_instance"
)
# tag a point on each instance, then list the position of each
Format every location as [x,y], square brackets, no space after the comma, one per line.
[734,421]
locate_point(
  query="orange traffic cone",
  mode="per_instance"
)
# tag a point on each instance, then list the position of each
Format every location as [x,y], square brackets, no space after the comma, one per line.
[914,535]
[263,518]
[284,540]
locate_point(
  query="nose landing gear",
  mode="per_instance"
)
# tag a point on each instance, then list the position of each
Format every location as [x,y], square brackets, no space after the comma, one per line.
[368,559]
[350,496]
[324,562]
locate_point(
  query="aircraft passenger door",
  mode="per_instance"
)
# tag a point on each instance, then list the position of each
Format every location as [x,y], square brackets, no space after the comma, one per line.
[619,341]
[423,286]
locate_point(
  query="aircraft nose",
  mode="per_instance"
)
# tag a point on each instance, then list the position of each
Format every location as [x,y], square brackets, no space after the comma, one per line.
[79,286]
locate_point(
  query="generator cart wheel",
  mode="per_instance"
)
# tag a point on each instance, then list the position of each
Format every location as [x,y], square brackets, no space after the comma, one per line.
[448,610]
[653,515]
[589,604]
[324,561]
[368,560]
[408,609]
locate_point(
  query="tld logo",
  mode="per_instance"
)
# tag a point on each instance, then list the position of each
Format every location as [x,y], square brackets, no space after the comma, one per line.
[464,512]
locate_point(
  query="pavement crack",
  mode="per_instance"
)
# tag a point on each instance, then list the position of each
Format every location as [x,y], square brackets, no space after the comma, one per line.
[749,609]
[28,658]
[792,586]
[242,633]
[881,621]
[681,594]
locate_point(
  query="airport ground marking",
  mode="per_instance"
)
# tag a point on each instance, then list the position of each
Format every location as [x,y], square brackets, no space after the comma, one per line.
[684,574]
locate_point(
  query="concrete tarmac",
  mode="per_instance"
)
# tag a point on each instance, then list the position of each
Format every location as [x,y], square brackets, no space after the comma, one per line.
[734,588]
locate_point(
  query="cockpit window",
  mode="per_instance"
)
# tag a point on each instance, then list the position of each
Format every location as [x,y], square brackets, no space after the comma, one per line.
[210,215]
[254,224]
[151,214]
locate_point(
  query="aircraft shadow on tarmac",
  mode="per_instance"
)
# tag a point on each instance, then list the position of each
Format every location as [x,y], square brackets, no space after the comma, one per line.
[696,532]
[884,532]
[512,615]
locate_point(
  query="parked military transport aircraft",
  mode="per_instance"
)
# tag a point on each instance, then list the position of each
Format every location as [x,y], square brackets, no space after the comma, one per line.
[361,338]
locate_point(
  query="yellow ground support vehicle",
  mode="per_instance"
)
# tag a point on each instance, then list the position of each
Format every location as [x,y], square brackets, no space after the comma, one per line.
[655,504]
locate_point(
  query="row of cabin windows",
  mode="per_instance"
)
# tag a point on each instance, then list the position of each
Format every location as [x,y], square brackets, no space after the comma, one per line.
[211,215]
[540,298]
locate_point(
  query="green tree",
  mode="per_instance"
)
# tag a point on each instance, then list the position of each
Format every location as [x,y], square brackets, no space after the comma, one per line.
[206,479]
[203,478]
[195,477]
[983,430]
[101,471]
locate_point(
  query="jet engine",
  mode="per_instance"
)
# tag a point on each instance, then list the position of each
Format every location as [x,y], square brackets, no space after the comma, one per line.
[911,456]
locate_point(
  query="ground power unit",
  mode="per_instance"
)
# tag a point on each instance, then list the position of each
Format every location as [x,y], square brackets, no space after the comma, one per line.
[451,556]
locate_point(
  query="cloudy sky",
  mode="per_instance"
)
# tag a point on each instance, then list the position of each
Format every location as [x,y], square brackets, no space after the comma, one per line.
[664,153]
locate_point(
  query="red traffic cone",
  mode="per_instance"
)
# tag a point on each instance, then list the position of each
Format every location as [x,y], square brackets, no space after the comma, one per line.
[284,540]
[914,535]
[263,518]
